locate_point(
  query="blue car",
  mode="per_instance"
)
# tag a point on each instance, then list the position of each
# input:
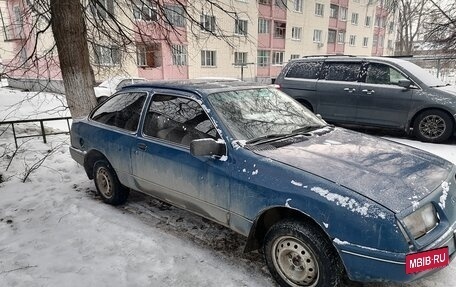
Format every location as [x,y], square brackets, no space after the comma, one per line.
[321,202]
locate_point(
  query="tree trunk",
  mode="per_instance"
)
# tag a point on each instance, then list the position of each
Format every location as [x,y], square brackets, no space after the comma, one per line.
[70,34]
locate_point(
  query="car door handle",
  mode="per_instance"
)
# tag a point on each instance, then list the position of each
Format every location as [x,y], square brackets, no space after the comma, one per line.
[142,146]
[350,90]
[369,92]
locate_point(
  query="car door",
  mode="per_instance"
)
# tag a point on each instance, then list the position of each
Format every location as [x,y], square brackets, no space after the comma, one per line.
[338,90]
[382,102]
[163,166]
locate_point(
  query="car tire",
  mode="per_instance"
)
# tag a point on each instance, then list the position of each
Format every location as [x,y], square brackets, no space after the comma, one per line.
[301,255]
[108,185]
[433,126]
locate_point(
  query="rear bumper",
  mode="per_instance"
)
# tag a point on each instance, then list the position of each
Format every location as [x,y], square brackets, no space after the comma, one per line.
[77,155]
[368,264]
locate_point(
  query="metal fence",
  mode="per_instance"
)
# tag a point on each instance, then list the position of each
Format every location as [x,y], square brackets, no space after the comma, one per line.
[442,67]
[43,133]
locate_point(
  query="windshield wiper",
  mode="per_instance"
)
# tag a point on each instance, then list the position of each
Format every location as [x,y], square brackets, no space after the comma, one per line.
[306,129]
[268,138]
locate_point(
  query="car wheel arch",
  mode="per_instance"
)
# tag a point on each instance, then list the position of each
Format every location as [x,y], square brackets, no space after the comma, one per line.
[271,216]
[90,159]
[422,110]
[306,104]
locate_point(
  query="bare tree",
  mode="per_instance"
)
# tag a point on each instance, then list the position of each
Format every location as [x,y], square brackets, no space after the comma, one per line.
[410,20]
[440,26]
[69,31]
[104,26]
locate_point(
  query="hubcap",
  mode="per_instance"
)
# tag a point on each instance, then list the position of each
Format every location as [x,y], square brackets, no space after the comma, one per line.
[295,262]
[104,182]
[432,126]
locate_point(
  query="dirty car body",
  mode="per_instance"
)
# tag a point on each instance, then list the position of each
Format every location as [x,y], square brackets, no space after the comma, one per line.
[251,158]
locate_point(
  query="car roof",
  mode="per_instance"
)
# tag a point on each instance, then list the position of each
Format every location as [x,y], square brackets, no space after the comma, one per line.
[199,86]
[348,57]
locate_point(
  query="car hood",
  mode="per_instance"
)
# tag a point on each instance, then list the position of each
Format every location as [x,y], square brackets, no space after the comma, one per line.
[448,89]
[394,175]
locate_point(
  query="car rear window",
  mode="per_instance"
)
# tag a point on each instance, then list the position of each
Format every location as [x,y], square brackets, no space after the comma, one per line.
[304,70]
[122,111]
[341,71]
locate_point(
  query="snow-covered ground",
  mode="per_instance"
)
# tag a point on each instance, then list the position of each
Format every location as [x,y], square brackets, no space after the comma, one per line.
[55,231]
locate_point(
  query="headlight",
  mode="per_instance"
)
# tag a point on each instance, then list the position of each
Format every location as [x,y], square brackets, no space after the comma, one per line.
[421,221]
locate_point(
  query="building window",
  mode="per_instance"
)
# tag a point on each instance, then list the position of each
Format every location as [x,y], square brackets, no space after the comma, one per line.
[319,9]
[381,41]
[296,33]
[367,23]
[365,41]
[341,37]
[317,36]
[144,10]
[149,55]
[207,23]
[277,58]
[263,26]
[352,40]
[294,56]
[280,30]
[281,3]
[179,55]
[354,18]
[264,2]
[240,27]
[263,58]
[391,27]
[333,11]
[375,41]
[106,56]
[390,44]
[208,58]
[378,21]
[174,15]
[332,36]
[101,8]
[240,58]
[343,13]
[297,5]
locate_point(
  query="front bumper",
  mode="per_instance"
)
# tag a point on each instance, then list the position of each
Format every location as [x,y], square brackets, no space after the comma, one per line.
[368,264]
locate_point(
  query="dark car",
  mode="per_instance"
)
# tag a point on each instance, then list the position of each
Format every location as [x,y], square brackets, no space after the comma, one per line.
[318,200]
[378,92]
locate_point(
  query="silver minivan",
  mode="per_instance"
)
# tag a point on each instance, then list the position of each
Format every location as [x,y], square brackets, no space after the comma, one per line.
[378,92]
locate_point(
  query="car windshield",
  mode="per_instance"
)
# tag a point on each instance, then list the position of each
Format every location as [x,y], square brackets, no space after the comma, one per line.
[423,75]
[258,113]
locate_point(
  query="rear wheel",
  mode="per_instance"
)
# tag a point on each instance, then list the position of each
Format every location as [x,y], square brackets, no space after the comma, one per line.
[433,126]
[108,185]
[300,255]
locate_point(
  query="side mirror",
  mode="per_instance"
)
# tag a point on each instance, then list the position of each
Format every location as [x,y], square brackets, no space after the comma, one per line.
[405,83]
[207,147]
[319,116]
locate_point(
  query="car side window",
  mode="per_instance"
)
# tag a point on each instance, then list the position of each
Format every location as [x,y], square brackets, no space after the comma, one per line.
[383,74]
[304,70]
[341,71]
[122,111]
[178,119]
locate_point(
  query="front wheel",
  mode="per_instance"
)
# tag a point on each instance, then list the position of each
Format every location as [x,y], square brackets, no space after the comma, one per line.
[433,126]
[108,185]
[300,255]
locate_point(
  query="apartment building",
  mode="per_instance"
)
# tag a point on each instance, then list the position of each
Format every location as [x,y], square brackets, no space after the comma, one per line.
[244,39]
